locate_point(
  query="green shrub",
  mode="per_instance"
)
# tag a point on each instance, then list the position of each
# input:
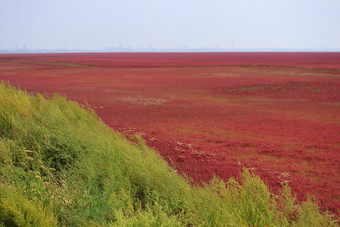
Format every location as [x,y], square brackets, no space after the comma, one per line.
[17,210]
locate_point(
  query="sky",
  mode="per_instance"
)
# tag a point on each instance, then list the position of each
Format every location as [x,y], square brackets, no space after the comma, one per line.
[167,24]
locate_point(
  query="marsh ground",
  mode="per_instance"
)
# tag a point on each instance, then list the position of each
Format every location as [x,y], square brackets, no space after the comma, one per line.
[211,113]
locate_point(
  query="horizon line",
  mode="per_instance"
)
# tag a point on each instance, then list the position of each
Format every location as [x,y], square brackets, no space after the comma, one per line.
[170,50]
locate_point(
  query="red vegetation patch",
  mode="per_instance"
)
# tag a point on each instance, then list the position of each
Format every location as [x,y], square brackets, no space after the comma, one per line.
[211,113]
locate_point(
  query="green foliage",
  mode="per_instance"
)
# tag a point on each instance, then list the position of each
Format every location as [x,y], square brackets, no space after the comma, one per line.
[16,210]
[61,165]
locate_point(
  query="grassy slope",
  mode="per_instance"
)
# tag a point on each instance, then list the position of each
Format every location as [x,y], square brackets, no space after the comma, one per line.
[61,165]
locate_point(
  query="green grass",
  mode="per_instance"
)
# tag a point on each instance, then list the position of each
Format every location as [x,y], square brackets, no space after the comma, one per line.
[62,166]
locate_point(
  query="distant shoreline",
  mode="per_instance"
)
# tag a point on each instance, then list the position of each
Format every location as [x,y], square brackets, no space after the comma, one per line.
[63,51]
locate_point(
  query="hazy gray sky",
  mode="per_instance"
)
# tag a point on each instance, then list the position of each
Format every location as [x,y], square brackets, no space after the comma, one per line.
[94,24]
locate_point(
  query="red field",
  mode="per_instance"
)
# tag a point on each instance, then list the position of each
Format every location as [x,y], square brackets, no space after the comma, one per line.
[211,113]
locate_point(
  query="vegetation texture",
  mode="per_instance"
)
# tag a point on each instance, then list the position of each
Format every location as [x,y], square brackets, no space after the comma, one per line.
[62,166]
